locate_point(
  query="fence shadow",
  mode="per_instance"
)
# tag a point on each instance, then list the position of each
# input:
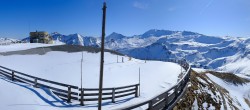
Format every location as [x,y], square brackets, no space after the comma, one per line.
[54,101]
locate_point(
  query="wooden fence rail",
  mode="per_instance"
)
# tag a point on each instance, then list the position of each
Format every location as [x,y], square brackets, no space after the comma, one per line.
[90,94]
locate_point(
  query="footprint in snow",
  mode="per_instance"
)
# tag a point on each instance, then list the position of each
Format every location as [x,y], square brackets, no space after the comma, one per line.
[163,86]
[167,83]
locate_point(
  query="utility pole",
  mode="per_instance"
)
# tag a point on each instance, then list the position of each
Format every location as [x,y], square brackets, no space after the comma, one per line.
[102,57]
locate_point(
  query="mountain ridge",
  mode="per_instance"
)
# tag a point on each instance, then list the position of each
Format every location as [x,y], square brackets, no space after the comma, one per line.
[210,52]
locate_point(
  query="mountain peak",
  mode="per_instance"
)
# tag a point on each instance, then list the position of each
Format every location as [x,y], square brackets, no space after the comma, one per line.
[156,33]
[55,33]
[184,33]
[115,36]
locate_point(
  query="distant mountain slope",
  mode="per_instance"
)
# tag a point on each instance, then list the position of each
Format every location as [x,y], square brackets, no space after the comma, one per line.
[75,39]
[220,53]
[200,50]
[7,41]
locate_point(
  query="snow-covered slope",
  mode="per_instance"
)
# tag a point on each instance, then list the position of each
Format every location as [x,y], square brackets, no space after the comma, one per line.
[64,67]
[238,97]
[216,91]
[200,50]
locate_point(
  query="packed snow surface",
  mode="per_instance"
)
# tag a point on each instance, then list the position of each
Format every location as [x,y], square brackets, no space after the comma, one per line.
[156,77]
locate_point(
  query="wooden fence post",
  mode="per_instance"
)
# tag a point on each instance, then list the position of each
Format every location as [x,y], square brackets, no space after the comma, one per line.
[150,105]
[166,102]
[69,94]
[113,95]
[136,91]
[36,83]
[182,85]
[176,91]
[186,78]
[81,100]
[12,76]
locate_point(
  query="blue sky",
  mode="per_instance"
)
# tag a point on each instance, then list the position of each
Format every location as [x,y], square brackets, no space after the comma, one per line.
[128,17]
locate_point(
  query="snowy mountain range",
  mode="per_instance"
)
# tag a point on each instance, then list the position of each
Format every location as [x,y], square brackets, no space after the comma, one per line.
[7,41]
[220,53]
[207,90]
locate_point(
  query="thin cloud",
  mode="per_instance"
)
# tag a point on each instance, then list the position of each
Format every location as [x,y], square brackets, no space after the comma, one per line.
[171,9]
[207,6]
[140,5]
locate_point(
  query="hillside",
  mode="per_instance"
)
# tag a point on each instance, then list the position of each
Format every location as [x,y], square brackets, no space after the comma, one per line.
[217,91]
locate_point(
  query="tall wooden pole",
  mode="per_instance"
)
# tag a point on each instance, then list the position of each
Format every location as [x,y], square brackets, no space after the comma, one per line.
[102,57]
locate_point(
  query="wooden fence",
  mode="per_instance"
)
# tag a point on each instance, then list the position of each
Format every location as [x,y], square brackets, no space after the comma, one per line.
[69,92]
[89,94]
[169,98]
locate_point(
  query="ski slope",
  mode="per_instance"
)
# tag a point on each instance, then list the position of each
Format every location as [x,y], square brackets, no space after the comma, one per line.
[64,67]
